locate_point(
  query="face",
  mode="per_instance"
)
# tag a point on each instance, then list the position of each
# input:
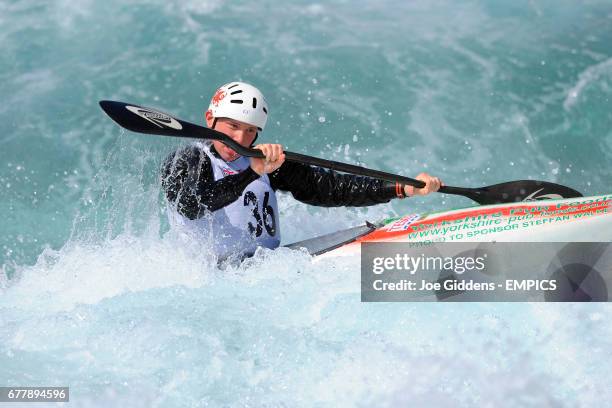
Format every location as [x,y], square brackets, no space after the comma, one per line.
[240,132]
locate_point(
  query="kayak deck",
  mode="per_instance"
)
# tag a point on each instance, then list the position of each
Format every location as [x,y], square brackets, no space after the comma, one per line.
[587,219]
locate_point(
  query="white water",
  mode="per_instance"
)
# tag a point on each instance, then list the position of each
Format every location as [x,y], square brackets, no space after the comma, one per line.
[142,321]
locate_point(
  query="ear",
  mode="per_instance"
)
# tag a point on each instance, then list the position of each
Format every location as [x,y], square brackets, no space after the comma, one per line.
[209,118]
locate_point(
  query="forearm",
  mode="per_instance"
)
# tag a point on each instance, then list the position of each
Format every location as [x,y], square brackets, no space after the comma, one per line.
[316,186]
[189,183]
[213,195]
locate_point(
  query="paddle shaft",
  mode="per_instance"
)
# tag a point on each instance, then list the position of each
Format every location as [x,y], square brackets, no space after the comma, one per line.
[328,164]
[344,167]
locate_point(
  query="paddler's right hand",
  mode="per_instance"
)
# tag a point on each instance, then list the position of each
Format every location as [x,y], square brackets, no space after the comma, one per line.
[275,157]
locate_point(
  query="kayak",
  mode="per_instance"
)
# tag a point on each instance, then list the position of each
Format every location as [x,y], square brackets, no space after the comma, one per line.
[566,241]
[581,219]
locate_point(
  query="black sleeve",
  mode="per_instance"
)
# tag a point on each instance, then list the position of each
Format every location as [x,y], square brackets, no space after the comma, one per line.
[188,181]
[327,188]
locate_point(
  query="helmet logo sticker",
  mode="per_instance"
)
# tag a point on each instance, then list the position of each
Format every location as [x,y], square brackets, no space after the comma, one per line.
[157,118]
[219,95]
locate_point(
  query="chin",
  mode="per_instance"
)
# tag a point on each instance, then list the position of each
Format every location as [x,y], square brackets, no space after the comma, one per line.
[232,157]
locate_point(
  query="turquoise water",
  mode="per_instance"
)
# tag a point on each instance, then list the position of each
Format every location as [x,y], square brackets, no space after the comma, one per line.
[96,294]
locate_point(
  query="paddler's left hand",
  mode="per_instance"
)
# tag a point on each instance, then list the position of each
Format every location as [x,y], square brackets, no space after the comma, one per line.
[432,184]
[275,157]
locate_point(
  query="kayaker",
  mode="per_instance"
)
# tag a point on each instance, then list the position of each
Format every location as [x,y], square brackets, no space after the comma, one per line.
[214,192]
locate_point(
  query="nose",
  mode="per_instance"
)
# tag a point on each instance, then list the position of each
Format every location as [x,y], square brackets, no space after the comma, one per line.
[239,135]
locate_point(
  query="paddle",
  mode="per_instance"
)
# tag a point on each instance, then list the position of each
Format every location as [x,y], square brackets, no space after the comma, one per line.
[150,121]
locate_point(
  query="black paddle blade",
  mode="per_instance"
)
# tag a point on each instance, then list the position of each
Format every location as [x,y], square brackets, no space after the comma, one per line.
[150,121]
[515,191]
[531,190]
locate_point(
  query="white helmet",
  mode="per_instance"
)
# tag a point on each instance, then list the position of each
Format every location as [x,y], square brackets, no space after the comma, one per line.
[240,101]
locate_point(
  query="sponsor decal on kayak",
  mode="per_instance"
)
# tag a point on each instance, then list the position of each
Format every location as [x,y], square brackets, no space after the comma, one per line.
[159,119]
[480,222]
[403,223]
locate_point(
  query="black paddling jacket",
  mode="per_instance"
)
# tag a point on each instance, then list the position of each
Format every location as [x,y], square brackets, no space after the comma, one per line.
[187,175]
